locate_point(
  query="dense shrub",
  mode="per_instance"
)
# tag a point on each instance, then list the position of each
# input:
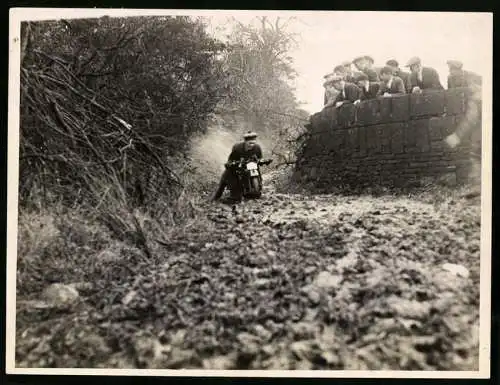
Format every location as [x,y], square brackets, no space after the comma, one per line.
[106,102]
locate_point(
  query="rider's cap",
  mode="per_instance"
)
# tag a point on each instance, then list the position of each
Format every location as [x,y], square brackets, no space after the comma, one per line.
[250,135]
[455,64]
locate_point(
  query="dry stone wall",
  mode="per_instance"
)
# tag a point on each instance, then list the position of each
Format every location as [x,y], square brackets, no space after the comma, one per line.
[393,142]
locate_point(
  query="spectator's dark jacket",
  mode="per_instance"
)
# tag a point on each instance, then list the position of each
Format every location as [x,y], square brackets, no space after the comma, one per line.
[371,93]
[465,79]
[238,152]
[397,87]
[351,77]
[405,77]
[350,93]
[430,80]
[372,75]
[329,96]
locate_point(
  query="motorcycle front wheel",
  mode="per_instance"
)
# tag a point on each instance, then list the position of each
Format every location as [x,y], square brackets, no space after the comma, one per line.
[256,187]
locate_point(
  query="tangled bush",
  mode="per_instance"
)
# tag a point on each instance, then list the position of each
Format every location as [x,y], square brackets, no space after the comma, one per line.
[105,102]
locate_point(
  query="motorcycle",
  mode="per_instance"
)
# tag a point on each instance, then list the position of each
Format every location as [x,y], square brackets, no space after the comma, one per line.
[248,176]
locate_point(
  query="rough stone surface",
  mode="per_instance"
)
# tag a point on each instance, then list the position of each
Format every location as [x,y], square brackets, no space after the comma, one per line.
[59,294]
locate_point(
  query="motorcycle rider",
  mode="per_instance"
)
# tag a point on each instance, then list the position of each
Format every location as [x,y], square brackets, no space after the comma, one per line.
[247,149]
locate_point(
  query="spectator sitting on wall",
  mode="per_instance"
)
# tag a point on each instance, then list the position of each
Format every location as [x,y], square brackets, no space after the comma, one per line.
[423,78]
[370,66]
[348,92]
[363,64]
[350,75]
[329,90]
[405,76]
[458,77]
[390,85]
[330,93]
[370,63]
[346,74]
[340,70]
[368,90]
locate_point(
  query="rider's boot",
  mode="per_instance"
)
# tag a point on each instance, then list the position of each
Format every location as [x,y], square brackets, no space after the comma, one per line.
[222,186]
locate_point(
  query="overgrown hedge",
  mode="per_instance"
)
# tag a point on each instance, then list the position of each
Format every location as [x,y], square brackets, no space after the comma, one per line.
[105,102]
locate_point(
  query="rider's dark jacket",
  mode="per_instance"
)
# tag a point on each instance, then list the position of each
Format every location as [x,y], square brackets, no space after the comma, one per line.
[238,152]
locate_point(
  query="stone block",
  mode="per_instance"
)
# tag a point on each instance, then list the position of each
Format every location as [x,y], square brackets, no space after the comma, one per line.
[428,103]
[385,135]
[451,125]
[373,139]
[438,146]
[420,131]
[315,120]
[397,138]
[330,116]
[439,126]
[367,112]
[363,144]
[317,124]
[353,139]
[410,136]
[338,141]
[400,108]
[346,115]
[455,101]
[385,109]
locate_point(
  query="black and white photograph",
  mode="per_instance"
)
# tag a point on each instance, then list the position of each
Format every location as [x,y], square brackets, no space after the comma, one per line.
[249,193]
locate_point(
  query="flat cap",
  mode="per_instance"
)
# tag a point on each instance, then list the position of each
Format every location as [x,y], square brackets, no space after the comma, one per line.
[328,75]
[250,135]
[414,60]
[339,68]
[369,58]
[392,63]
[346,63]
[336,78]
[455,64]
[359,58]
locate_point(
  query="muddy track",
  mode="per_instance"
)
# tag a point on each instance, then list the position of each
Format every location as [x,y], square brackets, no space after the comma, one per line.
[286,282]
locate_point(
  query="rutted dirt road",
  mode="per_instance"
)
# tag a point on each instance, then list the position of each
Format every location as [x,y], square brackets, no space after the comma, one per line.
[287,282]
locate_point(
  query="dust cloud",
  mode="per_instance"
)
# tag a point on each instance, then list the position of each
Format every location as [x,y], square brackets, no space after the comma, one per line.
[210,151]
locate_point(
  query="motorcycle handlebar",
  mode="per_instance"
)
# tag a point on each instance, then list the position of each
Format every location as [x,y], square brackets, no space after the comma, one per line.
[260,162]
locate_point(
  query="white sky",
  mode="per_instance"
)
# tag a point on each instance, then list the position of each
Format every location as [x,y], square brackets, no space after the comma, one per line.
[328,38]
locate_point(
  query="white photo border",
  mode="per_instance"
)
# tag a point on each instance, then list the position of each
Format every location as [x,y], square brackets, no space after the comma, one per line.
[18,15]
